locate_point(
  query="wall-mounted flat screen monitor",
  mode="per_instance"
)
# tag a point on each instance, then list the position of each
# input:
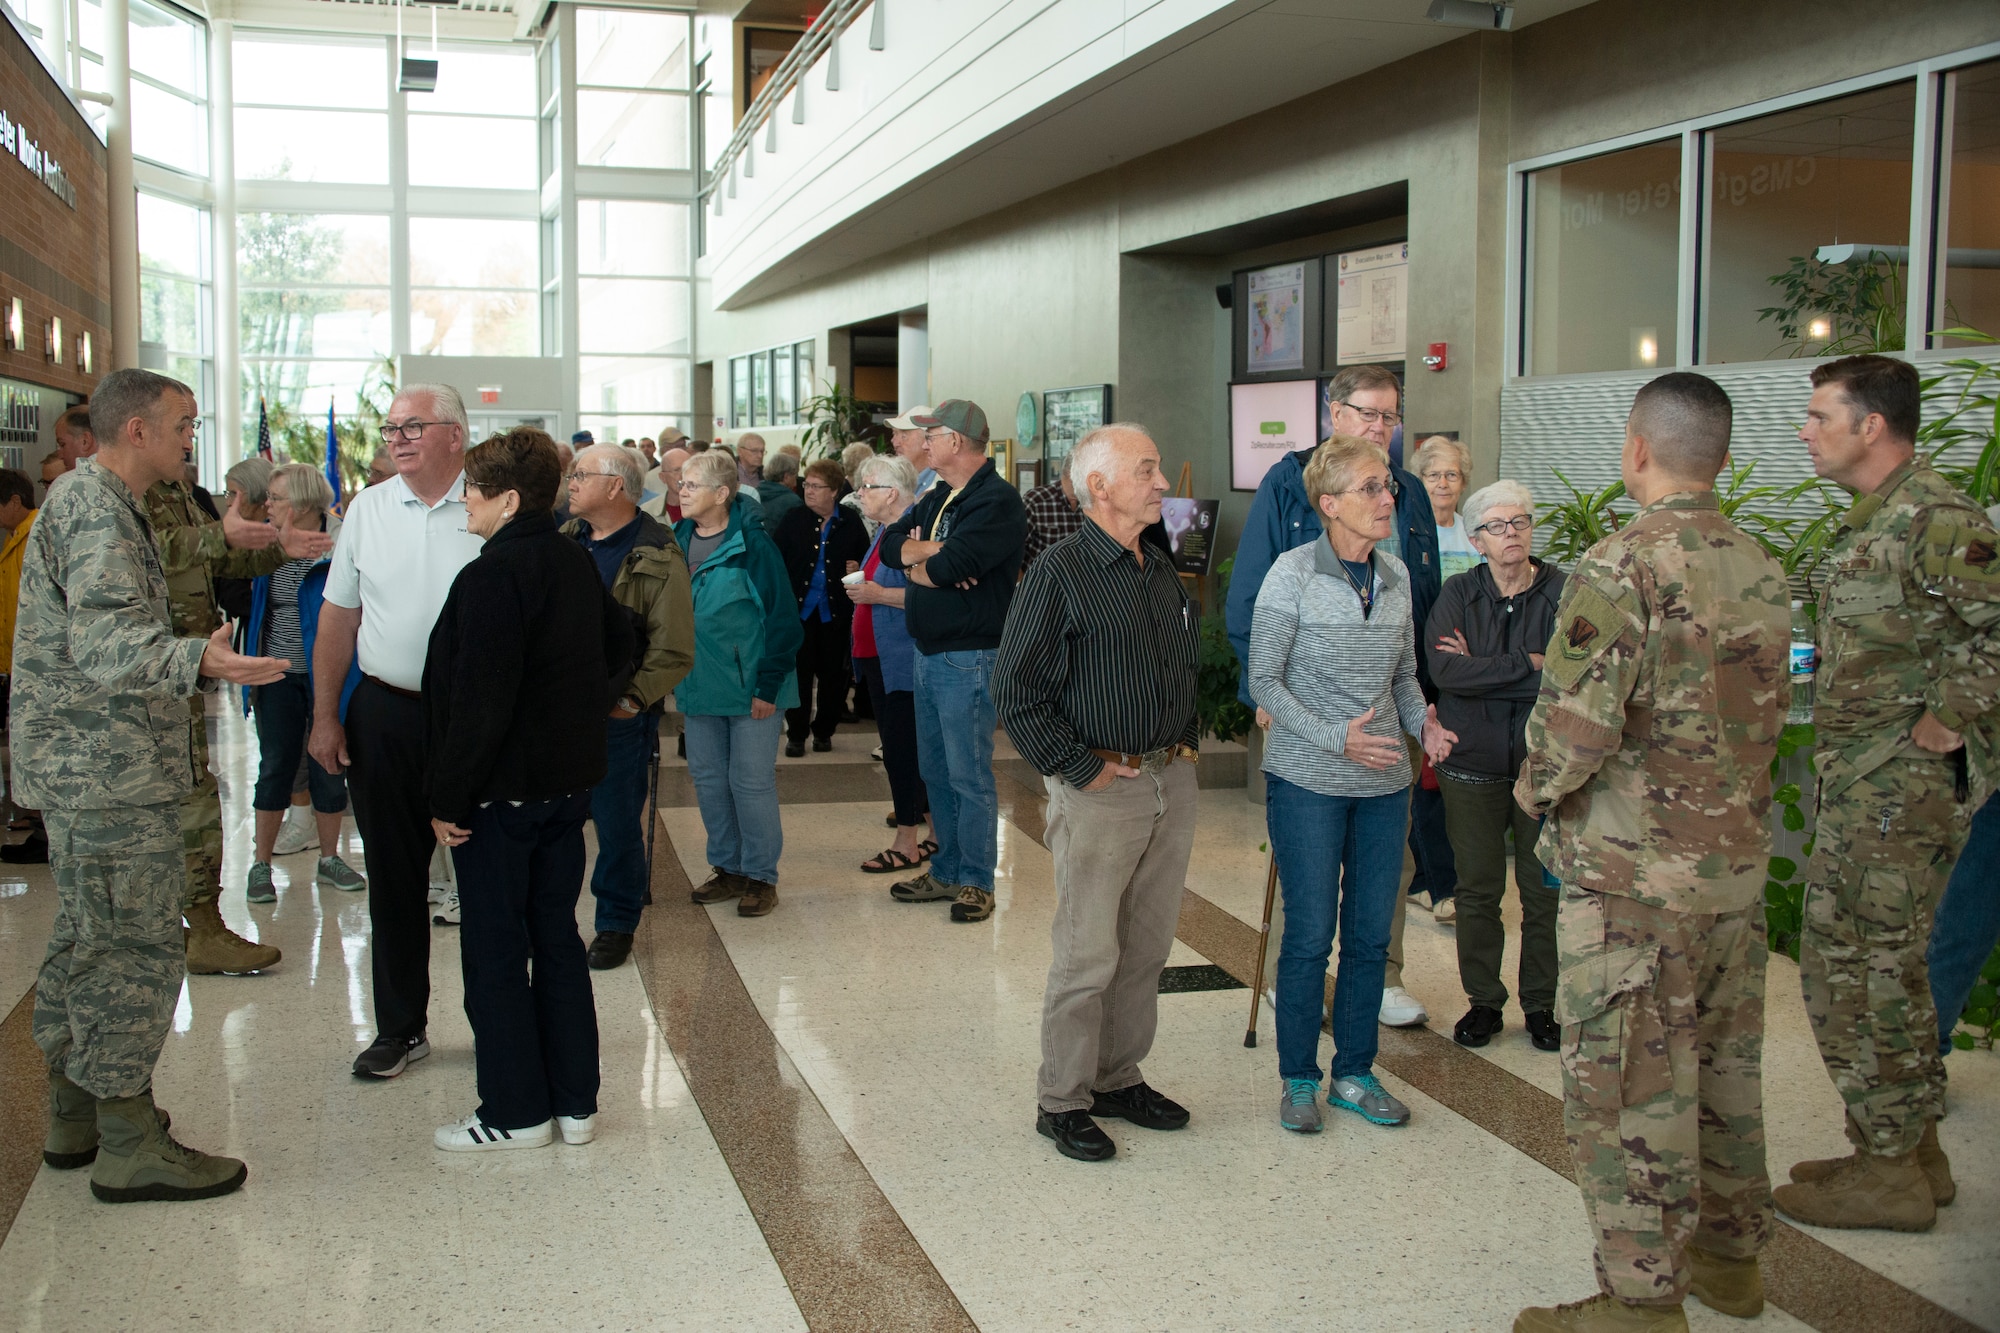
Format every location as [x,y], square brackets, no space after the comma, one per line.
[1266,422]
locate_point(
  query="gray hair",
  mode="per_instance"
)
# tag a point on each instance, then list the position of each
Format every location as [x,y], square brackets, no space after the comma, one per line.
[447,403]
[620,458]
[1432,451]
[306,489]
[853,456]
[1473,512]
[252,477]
[711,467]
[1093,453]
[124,394]
[781,466]
[891,470]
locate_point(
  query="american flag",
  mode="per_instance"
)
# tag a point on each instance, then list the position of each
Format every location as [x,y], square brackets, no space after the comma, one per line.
[263,433]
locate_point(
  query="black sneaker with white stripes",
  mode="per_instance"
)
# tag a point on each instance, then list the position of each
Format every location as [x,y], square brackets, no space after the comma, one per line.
[390,1056]
[473,1135]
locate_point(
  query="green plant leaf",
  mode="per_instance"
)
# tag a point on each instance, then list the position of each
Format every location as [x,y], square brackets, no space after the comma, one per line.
[1961,1041]
[1787,794]
[1793,818]
[1783,868]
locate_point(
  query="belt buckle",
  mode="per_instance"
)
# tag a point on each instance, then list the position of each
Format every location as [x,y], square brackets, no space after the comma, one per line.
[1155,760]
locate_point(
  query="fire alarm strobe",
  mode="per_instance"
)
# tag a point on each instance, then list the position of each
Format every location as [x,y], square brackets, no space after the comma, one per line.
[1435,358]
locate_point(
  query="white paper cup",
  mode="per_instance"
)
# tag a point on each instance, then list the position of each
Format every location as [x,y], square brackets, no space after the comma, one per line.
[854,580]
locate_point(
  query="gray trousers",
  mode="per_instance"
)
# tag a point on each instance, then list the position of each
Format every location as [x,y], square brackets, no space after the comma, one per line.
[1477,816]
[1121,859]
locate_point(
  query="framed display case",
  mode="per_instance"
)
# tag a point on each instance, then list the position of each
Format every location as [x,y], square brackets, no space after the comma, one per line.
[1070,414]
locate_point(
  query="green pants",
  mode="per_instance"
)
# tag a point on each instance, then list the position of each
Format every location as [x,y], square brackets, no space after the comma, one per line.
[201,816]
[1883,850]
[1477,816]
[1663,1092]
[104,1000]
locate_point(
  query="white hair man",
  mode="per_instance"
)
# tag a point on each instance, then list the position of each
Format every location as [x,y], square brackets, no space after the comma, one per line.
[750,458]
[643,569]
[403,543]
[906,441]
[1095,684]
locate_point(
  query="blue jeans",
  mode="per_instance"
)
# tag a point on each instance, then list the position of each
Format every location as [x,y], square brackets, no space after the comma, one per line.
[618,808]
[734,764]
[1968,919]
[1436,870]
[284,718]
[955,754]
[1338,857]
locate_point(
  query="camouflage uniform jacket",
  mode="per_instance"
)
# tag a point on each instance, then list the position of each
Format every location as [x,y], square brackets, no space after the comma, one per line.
[100,714]
[1650,746]
[194,555]
[1907,624]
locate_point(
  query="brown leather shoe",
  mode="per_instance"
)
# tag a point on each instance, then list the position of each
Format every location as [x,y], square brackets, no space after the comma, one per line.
[720,887]
[758,898]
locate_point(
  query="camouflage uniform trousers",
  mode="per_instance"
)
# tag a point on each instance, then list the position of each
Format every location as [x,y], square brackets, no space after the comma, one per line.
[104,1000]
[1883,849]
[201,816]
[1663,1095]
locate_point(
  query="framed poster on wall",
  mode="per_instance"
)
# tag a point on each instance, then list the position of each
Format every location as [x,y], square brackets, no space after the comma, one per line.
[1266,422]
[1373,304]
[1070,414]
[1277,321]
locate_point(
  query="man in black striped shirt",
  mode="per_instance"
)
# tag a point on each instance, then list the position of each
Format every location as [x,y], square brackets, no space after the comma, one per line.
[1095,683]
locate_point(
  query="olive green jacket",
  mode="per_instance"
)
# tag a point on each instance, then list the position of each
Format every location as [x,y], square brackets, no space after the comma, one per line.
[652,584]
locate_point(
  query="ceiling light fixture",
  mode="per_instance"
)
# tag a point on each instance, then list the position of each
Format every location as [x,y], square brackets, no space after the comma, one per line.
[1472,14]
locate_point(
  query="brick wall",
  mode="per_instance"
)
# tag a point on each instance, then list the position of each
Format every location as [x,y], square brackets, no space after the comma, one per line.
[55,258]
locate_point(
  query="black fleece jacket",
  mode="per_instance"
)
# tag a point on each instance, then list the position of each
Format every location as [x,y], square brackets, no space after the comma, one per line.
[985,532]
[1486,696]
[798,541]
[520,673]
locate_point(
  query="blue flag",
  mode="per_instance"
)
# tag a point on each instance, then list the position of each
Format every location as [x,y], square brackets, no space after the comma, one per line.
[332,453]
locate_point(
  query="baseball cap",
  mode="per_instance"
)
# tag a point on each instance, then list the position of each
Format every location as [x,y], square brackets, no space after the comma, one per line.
[582,437]
[957,414]
[671,435]
[908,421]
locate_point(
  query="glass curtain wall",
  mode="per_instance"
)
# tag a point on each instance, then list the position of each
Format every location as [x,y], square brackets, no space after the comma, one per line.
[430,250]
[634,304]
[1970,243]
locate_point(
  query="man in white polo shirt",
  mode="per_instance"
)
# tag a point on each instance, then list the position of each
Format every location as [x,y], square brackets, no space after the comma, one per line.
[401,546]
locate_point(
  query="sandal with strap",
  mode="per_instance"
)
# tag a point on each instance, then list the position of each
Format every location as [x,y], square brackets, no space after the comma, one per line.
[889,860]
[928,847]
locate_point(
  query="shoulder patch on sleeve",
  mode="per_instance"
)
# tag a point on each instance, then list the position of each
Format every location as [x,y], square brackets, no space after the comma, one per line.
[1961,548]
[1586,626]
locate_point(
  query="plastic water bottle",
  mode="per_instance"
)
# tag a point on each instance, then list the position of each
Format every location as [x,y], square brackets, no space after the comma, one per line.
[1805,656]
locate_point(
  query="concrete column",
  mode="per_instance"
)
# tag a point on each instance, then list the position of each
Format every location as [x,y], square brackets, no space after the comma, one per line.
[56,38]
[913,358]
[228,405]
[124,196]
[399,211]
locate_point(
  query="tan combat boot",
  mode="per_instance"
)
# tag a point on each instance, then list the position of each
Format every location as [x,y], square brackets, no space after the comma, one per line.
[1728,1286]
[213,947]
[1602,1314]
[1886,1193]
[138,1161]
[72,1140]
[1937,1167]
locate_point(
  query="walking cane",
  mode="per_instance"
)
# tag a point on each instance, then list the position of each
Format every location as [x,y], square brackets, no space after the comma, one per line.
[1263,947]
[652,809]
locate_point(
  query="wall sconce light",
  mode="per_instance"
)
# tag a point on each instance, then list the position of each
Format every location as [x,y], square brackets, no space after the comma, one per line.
[1820,329]
[52,347]
[1645,348]
[83,350]
[17,326]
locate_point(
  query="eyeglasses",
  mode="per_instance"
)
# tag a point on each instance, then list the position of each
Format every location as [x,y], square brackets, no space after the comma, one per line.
[876,486]
[1371,415]
[703,486]
[581,473]
[1374,490]
[1500,527]
[408,430]
[1447,476]
[817,486]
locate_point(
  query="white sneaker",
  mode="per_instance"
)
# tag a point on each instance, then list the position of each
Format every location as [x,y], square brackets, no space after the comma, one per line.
[299,832]
[1400,1009]
[469,1135]
[577,1128]
[439,892]
[447,911]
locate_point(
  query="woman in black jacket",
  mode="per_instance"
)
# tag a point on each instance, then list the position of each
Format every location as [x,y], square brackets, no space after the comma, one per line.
[822,541]
[1487,634]
[525,661]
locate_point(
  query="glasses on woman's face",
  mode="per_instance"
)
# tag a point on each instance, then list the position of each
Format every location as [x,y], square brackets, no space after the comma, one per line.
[1500,527]
[699,486]
[1374,490]
[819,486]
[1443,478]
[875,486]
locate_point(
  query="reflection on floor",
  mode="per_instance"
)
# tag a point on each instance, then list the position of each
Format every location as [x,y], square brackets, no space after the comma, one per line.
[824,1118]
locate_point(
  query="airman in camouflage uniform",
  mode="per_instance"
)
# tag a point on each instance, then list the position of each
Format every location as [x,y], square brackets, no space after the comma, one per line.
[194,552]
[1908,676]
[1649,755]
[101,745]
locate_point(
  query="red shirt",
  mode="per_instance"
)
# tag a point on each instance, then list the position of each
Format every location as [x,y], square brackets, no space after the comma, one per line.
[864,614]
